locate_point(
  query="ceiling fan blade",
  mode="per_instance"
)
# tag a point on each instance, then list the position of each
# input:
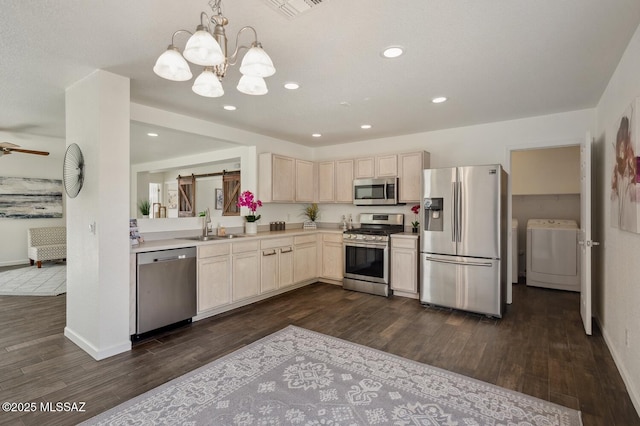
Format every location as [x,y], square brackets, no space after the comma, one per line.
[27,151]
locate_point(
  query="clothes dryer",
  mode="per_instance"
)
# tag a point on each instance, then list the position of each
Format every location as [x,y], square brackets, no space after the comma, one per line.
[553,259]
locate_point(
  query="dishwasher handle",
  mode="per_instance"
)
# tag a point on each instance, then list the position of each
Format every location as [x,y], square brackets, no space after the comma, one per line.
[159,256]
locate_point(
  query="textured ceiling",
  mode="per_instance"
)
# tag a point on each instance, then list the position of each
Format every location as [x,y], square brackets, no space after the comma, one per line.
[495,60]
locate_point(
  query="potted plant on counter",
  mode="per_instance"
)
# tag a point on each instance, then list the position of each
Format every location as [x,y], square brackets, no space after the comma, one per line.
[247,199]
[311,211]
[415,224]
[144,206]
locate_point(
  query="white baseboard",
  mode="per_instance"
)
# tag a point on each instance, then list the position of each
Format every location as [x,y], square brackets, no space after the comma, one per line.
[97,354]
[24,262]
[635,399]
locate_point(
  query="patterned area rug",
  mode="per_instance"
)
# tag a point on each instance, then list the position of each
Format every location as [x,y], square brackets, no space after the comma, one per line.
[300,377]
[50,280]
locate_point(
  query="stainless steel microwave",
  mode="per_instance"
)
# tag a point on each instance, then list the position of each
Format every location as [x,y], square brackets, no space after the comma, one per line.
[375,192]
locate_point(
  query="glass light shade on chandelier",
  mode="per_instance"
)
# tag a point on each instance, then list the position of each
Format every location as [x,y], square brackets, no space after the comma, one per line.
[252,85]
[257,63]
[208,48]
[203,49]
[172,66]
[207,84]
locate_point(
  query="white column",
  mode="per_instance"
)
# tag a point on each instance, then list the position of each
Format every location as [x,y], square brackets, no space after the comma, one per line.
[97,119]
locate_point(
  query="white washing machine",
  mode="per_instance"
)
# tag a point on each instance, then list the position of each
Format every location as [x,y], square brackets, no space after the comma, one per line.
[553,259]
[514,251]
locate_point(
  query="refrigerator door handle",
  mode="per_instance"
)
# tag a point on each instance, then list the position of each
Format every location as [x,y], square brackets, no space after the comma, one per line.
[453,211]
[453,262]
[459,219]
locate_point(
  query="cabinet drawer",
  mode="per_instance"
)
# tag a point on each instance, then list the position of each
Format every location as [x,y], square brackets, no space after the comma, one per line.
[213,250]
[333,238]
[245,246]
[408,243]
[276,242]
[305,239]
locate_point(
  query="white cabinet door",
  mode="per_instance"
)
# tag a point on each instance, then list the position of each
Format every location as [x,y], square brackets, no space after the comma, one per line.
[332,258]
[214,286]
[326,182]
[387,165]
[404,265]
[283,178]
[285,266]
[410,166]
[305,259]
[269,274]
[246,275]
[276,178]
[344,181]
[305,181]
[365,167]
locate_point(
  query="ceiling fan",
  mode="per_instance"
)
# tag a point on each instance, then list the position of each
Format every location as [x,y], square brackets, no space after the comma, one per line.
[8,148]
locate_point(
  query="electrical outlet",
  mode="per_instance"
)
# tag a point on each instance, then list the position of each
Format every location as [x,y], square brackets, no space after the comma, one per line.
[626,337]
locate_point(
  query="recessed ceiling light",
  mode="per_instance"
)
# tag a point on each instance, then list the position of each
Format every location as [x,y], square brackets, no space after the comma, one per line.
[229,107]
[392,52]
[365,126]
[439,100]
[316,135]
[291,86]
[153,135]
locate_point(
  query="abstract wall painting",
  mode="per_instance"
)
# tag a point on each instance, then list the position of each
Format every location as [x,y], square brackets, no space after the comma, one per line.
[30,198]
[625,180]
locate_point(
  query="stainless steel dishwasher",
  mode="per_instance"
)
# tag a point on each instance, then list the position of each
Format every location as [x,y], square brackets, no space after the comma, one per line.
[166,288]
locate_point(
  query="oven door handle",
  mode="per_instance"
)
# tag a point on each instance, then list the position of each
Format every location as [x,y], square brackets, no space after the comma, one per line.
[366,245]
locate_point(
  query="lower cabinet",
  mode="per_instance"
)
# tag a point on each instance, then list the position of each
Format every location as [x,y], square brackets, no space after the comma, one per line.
[214,276]
[332,257]
[245,270]
[276,264]
[404,265]
[305,258]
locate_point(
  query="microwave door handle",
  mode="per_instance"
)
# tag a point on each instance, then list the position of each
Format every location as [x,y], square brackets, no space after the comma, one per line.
[384,195]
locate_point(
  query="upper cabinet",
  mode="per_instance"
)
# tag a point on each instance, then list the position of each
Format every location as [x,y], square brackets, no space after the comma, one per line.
[378,166]
[284,179]
[410,166]
[335,181]
[305,181]
[387,165]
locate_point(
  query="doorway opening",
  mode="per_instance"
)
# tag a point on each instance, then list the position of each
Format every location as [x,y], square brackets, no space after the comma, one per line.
[544,183]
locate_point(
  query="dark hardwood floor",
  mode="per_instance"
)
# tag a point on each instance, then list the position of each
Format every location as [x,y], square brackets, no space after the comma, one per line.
[538,348]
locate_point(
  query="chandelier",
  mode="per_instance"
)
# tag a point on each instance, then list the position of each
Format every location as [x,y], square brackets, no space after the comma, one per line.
[209,49]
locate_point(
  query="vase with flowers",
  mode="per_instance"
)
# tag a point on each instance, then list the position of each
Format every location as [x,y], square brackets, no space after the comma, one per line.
[414,225]
[247,199]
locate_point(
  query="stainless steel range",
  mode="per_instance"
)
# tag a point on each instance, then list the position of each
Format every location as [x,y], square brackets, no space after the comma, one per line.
[366,252]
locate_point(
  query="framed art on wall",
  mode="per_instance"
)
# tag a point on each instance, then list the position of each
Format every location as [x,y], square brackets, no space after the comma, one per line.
[625,179]
[30,198]
[219,199]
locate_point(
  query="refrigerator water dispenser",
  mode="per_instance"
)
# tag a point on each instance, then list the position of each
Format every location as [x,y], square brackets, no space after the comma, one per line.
[433,214]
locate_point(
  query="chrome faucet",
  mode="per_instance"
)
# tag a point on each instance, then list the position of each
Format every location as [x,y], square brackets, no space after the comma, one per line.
[206,219]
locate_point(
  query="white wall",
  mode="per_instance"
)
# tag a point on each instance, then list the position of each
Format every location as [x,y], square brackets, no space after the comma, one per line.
[546,171]
[13,232]
[97,119]
[617,286]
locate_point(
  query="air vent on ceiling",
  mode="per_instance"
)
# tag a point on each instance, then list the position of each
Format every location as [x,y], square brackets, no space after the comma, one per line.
[293,8]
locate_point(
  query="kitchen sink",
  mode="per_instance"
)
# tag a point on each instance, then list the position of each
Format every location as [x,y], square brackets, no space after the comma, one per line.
[212,237]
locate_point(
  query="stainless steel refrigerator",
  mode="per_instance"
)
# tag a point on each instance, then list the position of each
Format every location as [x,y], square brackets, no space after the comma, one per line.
[463,239]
